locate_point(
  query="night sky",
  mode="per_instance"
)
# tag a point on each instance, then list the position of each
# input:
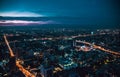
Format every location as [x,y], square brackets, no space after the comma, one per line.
[103,11]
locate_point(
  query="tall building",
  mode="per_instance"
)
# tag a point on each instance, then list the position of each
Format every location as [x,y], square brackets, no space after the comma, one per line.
[92,33]
[46,71]
[74,43]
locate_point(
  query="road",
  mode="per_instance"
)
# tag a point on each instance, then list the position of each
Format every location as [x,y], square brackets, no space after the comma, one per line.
[55,38]
[100,48]
[95,46]
[7,43]
[21,68]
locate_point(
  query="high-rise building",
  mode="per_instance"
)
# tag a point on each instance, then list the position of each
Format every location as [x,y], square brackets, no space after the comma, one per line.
[46,71]
[74,43]
[92,33]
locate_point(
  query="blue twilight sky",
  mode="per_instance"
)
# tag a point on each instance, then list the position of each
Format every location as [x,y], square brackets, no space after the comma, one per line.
[100,10]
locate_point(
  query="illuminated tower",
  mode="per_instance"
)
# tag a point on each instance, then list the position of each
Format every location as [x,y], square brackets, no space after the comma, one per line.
[92,33]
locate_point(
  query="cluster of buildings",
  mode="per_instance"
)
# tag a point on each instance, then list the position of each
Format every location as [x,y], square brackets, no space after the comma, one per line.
[45,53]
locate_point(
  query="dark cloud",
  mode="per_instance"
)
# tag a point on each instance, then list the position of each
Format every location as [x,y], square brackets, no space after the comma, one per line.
[102,10]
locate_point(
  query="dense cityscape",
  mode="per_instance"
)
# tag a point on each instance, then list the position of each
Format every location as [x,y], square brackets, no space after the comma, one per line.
[59,52]
[59,38]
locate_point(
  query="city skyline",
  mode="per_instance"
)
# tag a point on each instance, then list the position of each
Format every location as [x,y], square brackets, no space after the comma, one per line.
[59,38]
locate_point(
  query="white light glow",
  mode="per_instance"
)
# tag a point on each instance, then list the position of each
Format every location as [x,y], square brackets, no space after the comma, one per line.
[23,22]
[20,14]
[19,21]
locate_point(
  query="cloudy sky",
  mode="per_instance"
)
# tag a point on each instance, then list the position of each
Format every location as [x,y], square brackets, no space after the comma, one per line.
[100,10]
